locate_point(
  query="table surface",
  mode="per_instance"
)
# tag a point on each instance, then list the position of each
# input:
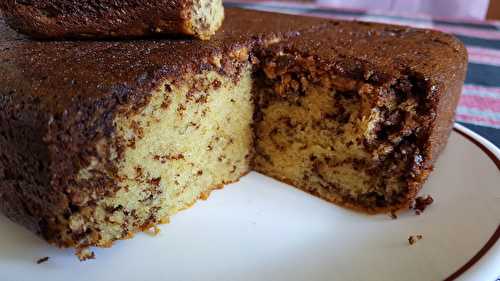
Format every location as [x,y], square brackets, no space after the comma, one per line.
[479,107]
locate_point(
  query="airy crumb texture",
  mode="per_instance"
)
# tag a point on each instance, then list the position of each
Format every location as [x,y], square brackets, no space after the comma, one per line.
[42,260]
[414,238]
[189,140]
[349,141]
[206,18]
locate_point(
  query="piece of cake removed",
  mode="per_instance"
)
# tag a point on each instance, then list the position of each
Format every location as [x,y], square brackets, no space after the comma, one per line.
[57,19]
[357,113]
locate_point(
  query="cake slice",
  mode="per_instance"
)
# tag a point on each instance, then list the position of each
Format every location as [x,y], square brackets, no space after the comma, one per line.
[57,19]
[357,113]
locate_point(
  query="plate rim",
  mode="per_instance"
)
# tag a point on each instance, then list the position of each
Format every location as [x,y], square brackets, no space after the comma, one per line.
[476,261]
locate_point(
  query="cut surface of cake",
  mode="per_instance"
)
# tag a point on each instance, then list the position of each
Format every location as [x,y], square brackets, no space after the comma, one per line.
[100,140]
[56,19]
[357,113]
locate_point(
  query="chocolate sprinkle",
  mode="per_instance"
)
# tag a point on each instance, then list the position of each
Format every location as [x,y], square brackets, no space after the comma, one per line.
[42,260]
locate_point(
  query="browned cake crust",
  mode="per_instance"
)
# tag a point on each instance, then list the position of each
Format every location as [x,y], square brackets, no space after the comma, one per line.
[56,19]
[58,100]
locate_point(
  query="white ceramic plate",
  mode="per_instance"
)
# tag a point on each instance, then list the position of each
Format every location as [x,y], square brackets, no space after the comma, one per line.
[261,229]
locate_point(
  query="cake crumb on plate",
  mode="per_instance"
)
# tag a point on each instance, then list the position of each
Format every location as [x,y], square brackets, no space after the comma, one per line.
[85,254]
[414,238]
[421,203]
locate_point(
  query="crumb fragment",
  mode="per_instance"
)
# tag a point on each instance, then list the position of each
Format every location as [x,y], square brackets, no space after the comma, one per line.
[84,254]
[421,203]
[393,215]
[204,195]
[153,231]
[414,238]
[42,260]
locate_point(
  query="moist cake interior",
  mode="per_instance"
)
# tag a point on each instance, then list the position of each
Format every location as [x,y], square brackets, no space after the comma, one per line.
[195,135]
[206,17]
[348,141]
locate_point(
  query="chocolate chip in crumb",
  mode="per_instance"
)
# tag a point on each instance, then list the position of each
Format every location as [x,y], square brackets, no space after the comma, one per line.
[138,172]
[181,108]
[168,88]
[155,181]
[216,84]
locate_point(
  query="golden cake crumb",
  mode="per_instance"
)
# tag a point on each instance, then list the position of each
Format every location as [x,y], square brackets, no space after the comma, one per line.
[85,254]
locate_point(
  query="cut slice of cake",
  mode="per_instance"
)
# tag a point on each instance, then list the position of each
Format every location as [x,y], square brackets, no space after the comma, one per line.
[100,140]
[57,19]
[357,113]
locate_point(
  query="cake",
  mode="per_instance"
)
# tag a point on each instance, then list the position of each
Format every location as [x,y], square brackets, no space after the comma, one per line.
[101,140]
[57,19]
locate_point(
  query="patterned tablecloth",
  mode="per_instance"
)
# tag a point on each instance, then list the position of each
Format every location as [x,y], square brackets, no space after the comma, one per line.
[479,107]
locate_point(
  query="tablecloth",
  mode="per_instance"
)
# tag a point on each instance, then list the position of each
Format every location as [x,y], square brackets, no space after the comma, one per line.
[479,107]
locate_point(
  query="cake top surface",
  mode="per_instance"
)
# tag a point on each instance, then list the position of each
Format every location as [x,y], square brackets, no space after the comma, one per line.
[61,14]
[67,72]
[64,70]
[362,49]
